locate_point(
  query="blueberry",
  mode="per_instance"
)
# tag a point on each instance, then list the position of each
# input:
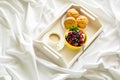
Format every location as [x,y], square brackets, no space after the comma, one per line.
[77,35]
[76,39]
[73,42]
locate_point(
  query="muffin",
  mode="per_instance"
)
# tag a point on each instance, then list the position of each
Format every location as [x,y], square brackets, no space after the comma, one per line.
[82,21]
[70,21]
[73,13]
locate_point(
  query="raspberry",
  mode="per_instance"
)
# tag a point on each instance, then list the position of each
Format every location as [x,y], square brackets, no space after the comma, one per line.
[81,36]
[70,32]
[80,32]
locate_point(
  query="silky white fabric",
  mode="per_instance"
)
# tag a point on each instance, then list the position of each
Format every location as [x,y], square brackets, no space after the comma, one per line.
[21,21]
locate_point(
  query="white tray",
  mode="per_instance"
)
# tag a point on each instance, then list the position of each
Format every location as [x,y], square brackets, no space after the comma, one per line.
[58,52]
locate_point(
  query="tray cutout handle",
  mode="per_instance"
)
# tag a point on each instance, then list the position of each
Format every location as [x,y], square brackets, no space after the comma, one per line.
[88,13]
[51,53]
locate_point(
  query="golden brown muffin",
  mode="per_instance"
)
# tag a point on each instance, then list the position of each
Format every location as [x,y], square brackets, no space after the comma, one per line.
[70,21]
[82,21]
[73,13]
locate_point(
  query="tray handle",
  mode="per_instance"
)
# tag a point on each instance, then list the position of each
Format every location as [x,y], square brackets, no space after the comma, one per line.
[88,13]
[51,53]
[50,50]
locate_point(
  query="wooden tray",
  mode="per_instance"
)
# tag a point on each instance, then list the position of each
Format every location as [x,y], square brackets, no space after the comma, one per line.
[55,49]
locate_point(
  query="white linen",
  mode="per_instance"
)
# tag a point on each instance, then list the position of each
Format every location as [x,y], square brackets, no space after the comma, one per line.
[21,21]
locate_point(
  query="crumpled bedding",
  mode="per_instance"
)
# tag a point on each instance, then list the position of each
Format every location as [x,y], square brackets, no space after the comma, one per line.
[21,22]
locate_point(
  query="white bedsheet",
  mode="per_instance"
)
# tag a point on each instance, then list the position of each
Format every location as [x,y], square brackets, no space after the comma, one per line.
[21,21]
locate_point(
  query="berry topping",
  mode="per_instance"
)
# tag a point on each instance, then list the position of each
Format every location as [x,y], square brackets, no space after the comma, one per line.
[75,38]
